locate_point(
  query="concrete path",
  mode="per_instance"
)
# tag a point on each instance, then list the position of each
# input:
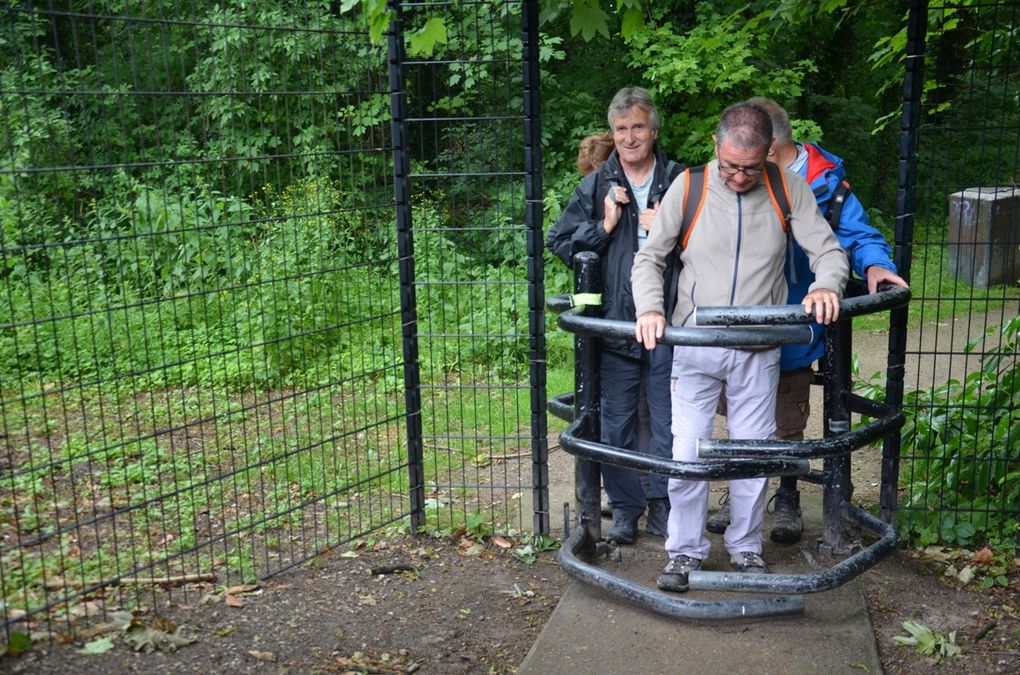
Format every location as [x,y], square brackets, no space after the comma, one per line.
[594,631]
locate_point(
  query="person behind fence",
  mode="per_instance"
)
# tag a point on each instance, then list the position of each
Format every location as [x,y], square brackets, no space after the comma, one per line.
[610,213]
[869,258]
[733,255]
[593,150]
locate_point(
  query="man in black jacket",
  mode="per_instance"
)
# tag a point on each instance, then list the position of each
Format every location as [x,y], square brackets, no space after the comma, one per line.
[610,213]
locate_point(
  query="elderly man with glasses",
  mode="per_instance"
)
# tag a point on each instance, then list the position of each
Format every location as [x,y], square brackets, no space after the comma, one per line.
[734,256]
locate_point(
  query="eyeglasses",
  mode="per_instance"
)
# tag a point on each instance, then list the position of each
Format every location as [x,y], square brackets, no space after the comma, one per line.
[749,171]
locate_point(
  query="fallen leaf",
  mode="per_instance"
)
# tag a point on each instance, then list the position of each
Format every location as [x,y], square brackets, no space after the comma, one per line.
[966,575]
[935,553]
[501,542]
[232,601]
[367,600]
[473,551]
[122,620]
[983,557]
[243,588]
[145,639]
[97,646]
[268,657]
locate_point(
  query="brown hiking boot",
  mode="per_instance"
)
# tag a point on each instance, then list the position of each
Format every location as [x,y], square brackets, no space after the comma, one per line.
[787,523]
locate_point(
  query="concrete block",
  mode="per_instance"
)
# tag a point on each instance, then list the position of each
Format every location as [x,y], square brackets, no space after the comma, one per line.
[984,235]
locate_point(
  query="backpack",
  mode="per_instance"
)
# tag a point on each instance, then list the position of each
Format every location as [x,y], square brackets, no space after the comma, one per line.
[697,185]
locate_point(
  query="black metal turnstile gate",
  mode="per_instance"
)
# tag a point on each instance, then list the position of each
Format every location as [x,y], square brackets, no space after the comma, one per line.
[729,326]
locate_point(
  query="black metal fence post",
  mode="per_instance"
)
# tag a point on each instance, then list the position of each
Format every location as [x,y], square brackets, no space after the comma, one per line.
[913,87]
[405,250]
[587,406]
[536,269]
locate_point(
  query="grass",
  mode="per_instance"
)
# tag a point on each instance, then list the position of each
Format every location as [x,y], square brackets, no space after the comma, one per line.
[107,482]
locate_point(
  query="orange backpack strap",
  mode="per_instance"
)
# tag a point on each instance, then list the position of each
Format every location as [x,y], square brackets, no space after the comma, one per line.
[774,179]
[698,186]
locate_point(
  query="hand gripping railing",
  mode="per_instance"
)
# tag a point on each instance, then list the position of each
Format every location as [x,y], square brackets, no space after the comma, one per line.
[730,458]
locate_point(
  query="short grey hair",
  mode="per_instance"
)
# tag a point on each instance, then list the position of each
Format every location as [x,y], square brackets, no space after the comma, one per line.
[745,125]
[631,97]
[781,129]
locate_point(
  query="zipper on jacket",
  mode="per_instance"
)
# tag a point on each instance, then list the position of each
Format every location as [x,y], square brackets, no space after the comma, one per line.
[694,305]
[736,258]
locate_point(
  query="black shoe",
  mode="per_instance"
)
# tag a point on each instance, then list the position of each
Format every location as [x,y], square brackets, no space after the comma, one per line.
[720,520]
[674,576]
[787,523]
[657,522]
[749,561]
[623,529]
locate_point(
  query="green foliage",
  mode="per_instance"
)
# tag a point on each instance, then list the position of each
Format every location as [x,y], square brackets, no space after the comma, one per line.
[694,74]
[424,40]
[965,439]
[36,208]
[937,645]
[18,642]
[537,543]
[476,524]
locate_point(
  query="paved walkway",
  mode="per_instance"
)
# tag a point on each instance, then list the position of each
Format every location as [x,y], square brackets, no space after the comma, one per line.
[594,631]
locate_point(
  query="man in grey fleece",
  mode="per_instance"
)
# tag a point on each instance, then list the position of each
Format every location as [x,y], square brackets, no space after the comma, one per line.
[733,255]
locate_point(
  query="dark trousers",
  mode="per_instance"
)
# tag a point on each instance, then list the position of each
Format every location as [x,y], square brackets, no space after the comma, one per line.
[622,381]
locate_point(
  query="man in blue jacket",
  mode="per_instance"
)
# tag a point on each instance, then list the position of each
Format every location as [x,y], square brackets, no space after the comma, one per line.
[869,259]
[610,213]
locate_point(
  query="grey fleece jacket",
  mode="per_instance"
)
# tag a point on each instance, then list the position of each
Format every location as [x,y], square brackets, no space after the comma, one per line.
[736,250]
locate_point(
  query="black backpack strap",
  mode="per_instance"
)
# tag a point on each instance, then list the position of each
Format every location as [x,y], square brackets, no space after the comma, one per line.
[694,198]
[839,197]
[779,192]
[603,184]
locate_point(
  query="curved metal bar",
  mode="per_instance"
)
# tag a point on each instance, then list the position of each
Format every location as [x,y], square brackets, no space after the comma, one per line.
[895,297]
[559,303]
[562,406]
[670,604]
[757,336]
[832,446]
[865,406]
[835,576]
[729,470]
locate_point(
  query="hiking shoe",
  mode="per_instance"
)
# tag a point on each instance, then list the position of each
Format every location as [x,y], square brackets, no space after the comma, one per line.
[623,529]
[720,520]
[749,561]
[787,524]
[657,522]
[674,576]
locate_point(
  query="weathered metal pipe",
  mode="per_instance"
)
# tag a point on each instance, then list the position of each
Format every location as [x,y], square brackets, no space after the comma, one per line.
[669,604]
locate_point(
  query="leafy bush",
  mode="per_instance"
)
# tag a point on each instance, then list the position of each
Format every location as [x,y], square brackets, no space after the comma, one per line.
[965,482]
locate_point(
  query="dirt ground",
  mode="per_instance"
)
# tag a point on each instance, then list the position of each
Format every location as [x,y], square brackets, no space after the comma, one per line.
[462,606]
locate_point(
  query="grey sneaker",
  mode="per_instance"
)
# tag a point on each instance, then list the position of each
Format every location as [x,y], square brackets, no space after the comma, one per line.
[623,529]
[749,561]
[787,523]
[657,522]
[720,520]
[674,576]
